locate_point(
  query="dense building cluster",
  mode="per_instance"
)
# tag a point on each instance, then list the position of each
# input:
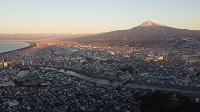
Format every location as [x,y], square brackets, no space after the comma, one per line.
[166,65]
[31,79]
[60,92]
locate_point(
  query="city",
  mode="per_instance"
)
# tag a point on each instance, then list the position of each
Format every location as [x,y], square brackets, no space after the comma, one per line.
[44,66]
[99,56]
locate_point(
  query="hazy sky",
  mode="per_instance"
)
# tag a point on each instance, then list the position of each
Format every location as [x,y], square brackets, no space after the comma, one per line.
[94,16]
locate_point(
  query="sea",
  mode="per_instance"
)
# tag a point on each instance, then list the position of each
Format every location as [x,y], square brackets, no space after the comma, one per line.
[6,46]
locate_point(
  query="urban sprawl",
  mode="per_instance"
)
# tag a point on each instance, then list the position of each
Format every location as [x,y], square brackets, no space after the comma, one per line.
[38,78]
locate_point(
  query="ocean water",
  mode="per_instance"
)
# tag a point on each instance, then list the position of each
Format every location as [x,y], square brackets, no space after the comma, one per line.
[9,46]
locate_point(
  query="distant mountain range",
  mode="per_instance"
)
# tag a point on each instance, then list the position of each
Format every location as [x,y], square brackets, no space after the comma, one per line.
[148,32]
[39,36]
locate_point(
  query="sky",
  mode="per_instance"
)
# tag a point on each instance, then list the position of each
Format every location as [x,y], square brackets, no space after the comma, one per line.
[94,16]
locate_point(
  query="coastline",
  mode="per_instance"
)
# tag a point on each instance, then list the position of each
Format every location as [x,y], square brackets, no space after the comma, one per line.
[31,45]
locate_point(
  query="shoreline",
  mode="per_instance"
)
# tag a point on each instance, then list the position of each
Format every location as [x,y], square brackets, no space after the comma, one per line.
[31,45]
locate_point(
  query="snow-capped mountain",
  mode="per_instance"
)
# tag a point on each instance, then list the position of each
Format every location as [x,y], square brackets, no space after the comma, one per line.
[151,23]
[149,31]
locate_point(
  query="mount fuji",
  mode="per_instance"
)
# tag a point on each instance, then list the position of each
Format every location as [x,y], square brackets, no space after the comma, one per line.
[151,23]
[149,32]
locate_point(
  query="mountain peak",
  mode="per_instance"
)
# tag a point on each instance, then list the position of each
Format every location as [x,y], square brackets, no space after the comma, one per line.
[151,23]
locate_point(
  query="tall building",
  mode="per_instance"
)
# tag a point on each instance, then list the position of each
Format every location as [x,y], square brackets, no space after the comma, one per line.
[10,67]
[134,71]
[176,72]
[2,62]
[22,62]
[5,64]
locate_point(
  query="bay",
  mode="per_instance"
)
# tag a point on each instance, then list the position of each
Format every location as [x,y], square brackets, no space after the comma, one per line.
[6,46]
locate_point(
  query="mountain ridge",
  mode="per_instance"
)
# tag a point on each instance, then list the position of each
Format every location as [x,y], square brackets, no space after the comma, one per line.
[147,31]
